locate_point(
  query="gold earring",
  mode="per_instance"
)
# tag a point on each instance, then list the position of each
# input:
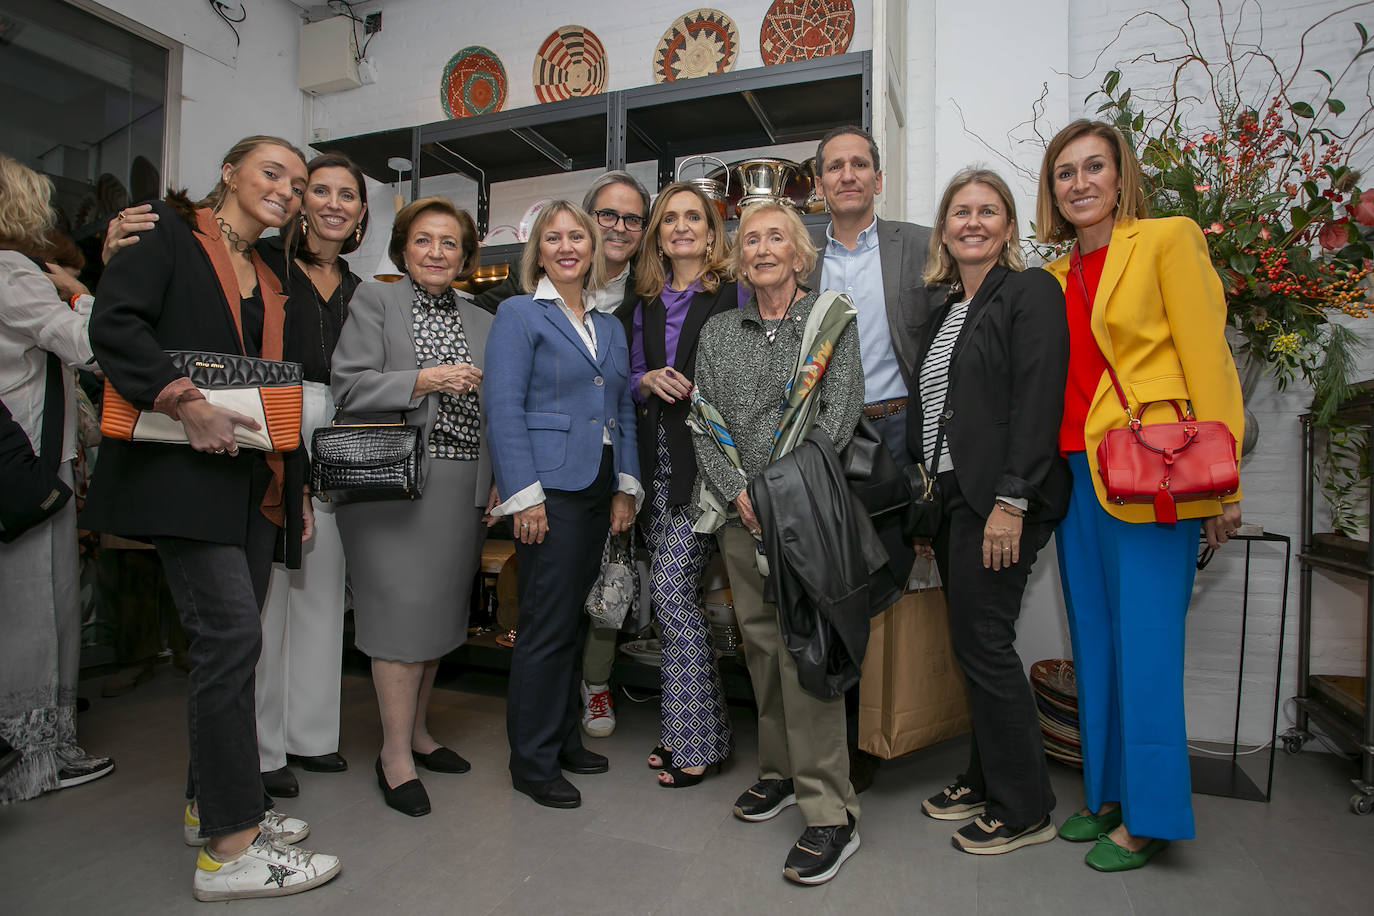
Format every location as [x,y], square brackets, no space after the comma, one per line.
[305,226]
[709,247]
[358,234]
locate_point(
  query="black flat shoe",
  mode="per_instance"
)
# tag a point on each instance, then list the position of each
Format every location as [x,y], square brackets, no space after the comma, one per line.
[441,760]
[281,783]
[409,797]
[684,780]
[321,763]
[551,793]
[584,762]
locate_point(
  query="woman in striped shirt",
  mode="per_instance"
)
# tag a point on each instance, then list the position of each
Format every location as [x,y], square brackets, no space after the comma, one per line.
[991,390]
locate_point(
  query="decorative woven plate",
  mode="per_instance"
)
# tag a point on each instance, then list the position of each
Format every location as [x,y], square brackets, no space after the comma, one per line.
[474,83]
[802,29]
[699,43]
[571,61]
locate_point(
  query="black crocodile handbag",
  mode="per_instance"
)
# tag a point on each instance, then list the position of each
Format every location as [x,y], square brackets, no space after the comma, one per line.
[359,461]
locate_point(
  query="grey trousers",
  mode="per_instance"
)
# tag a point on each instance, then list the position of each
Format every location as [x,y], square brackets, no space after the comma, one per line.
[801,736]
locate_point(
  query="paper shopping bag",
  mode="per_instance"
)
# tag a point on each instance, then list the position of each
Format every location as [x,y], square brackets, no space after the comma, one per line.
[911,694]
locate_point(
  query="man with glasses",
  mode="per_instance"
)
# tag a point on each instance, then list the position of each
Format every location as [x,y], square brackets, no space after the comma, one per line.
[620,206]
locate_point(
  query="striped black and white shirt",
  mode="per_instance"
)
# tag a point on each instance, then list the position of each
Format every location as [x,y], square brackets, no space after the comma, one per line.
[934,385]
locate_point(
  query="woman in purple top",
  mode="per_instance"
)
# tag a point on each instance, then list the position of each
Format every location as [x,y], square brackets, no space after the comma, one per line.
[681,279]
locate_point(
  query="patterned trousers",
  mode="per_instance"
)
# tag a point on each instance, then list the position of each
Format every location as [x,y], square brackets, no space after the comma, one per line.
[696,725]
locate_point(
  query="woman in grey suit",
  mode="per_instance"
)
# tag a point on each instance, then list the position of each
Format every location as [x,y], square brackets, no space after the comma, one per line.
[416,347]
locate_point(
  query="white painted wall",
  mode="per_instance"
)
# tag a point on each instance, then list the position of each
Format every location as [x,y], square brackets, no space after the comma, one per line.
[974,71]
[228,94]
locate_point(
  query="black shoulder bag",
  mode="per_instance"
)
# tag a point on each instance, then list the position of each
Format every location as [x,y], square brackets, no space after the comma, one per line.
[33,492]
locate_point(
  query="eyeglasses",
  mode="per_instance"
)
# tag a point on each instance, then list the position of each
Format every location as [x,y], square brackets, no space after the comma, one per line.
[607,219]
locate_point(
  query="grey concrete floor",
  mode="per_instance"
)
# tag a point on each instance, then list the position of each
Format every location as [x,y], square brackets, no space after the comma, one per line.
[114,846]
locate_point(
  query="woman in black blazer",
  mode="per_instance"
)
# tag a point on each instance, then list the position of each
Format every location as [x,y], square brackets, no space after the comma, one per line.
[681,277]
[214,513]
[991,388]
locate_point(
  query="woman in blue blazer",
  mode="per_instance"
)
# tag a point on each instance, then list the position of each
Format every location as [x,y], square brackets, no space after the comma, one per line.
[561,430]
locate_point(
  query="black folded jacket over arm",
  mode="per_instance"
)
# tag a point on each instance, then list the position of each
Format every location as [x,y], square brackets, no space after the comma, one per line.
[827,567]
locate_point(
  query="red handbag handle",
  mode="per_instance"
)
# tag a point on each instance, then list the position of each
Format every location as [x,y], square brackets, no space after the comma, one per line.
[1076,268]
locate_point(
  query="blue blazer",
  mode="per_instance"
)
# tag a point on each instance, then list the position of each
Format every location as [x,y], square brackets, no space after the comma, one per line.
[547,400]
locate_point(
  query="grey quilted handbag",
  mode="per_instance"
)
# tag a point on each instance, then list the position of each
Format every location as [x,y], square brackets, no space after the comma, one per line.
[361,461]
[617,587]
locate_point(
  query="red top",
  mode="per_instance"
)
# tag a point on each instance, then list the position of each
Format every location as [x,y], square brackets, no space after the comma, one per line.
[1086,362]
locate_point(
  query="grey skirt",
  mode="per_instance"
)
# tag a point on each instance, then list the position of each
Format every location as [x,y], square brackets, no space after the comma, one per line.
[411,565]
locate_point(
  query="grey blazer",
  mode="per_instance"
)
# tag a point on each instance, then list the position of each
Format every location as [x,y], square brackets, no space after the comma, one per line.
[902,254]
[375,366]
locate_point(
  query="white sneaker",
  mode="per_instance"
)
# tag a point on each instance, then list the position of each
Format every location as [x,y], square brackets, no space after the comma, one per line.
[267,868]
[598,712]
[289,830]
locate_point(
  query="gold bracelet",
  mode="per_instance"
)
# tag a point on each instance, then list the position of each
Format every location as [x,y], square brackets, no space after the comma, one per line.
[1009,509]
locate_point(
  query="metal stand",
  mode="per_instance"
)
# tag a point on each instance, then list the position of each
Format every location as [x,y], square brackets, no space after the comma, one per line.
[1222,776]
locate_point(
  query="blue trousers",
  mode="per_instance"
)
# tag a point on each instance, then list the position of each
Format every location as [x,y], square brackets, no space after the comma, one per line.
[1126,588]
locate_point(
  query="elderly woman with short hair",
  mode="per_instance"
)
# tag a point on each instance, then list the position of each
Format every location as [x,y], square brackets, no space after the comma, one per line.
[416,347]
[746,358]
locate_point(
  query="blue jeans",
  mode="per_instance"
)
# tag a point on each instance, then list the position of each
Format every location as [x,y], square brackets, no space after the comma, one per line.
[218,590]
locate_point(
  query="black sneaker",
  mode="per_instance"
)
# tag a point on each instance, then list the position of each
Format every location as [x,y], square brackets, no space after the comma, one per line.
[988,836]
[765,799]
[818,855]
[954,802]
[83,769]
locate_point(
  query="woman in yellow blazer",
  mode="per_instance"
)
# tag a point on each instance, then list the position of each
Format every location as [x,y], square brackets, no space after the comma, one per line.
[1141,297]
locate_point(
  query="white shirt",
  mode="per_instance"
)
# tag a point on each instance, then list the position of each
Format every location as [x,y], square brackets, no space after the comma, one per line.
[533,495]
[33,323]
[608,298]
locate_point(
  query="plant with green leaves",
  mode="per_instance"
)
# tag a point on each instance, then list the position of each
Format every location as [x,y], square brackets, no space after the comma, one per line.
[1270,173]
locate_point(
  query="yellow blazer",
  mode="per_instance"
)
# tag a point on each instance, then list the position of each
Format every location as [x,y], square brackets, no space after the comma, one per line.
[1159,316]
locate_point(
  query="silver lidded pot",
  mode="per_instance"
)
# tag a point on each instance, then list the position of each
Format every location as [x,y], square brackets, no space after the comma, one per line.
[708,183]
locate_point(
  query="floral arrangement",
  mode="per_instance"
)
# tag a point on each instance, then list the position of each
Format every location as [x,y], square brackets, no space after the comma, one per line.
[1277,193]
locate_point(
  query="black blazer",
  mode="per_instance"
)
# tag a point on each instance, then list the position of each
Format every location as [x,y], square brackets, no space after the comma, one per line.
[672,416]
[163,294]
[1006,393]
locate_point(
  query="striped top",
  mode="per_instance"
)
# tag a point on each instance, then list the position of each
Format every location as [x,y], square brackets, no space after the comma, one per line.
[934,386]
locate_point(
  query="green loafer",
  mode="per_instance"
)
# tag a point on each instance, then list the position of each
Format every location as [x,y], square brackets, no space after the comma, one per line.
[1107,856]
[1085,828]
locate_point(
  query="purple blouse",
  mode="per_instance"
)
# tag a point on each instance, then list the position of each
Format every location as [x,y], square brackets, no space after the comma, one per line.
[676,304]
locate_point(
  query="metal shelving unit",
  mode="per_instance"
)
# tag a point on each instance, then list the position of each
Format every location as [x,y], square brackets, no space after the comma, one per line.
[1342,705]
[757,107]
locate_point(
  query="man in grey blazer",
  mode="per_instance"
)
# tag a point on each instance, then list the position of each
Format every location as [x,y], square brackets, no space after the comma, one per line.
[878,264]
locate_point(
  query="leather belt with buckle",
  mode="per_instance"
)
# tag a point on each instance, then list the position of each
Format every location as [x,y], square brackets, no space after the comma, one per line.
[879,409]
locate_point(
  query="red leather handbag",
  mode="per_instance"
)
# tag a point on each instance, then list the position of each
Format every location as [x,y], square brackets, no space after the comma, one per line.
[1167,463]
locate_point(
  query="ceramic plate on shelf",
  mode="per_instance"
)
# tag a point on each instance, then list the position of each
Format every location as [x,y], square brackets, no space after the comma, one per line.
[474,83]
[571,62]
[802,29]
[527,221]
[699,43]
[502,235]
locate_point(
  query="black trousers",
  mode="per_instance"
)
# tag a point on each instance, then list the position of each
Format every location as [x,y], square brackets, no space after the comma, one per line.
[1006,754]
[553,578]
[218,590]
